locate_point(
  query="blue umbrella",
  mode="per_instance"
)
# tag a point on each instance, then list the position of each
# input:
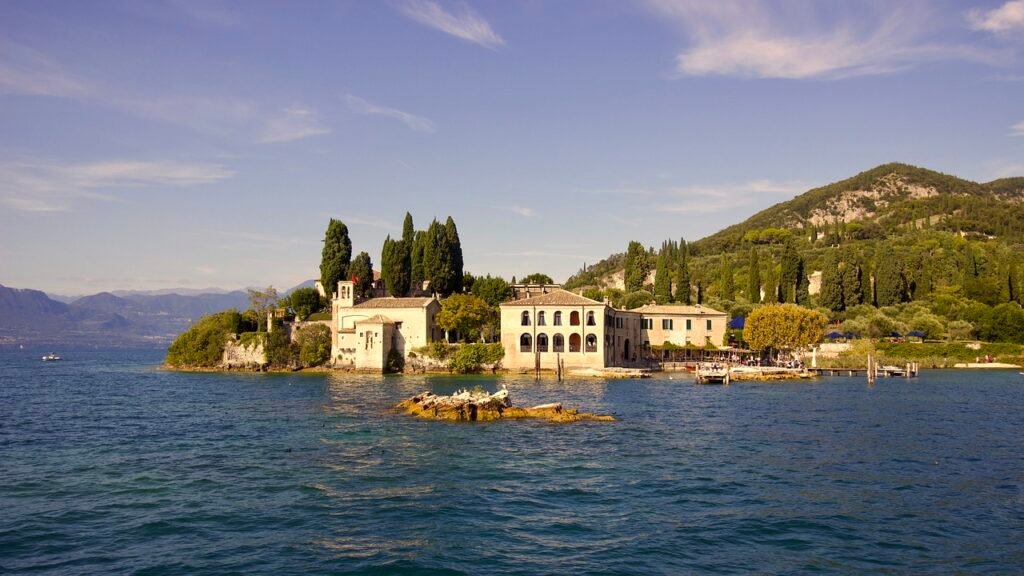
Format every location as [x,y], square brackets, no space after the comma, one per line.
[894,334]
[738,323]
[834,335]
[849,335]
[916,334]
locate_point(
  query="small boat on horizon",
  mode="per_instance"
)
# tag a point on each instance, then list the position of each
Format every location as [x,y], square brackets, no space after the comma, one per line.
[51,357]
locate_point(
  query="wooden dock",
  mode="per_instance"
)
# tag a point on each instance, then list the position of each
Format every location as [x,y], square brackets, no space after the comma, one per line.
[871,371]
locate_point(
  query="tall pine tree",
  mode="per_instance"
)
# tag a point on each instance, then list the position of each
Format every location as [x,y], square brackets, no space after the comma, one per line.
[662,281]
[890,283]
[636,267]
[789,276]
[362,270]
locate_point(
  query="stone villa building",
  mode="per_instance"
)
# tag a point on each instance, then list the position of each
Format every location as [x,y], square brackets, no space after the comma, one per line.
[363,333]
[585,333]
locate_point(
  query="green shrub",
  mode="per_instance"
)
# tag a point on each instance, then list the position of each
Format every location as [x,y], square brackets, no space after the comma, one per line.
[314,342]
[469,358]
[280,350]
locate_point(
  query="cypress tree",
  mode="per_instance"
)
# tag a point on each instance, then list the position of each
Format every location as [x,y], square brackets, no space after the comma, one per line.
[394,263]
[662,282]
[803,285]
[853,279]
[683,293]
[754,278]
[728,287]
[789,276]
[437,264]
[890,283]
[335,256]
[636,267]
[831,294]
[453,246]
[771,286]
[416,275]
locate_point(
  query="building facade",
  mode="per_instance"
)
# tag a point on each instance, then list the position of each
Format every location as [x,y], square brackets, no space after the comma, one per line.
[364,332]
[541,328]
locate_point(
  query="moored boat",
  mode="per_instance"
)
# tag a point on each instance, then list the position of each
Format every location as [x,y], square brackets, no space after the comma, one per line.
[51,357]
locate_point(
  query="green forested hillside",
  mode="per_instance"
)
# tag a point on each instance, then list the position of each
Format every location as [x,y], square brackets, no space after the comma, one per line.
[892,249]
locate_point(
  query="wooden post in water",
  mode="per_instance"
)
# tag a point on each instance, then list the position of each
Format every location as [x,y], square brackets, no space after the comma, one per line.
[871,369]
[908,369]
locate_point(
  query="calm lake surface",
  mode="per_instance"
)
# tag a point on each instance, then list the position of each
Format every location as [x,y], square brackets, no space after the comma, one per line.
[108,465]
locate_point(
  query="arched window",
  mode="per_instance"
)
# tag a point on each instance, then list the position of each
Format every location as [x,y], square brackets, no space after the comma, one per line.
[540,319]
[591,343]
[558,318]
[525,343]
[574,343]
[558,343]
[574,318]
[590,319]
[525,318]
[542,342]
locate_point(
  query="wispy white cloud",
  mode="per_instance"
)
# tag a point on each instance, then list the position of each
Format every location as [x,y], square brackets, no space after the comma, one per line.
[1017,129]
[291,124]
[804,39]
[704,199]
[520,210]
[1009,16]
[55,187]
[464,23]
[361,106]
[28,72]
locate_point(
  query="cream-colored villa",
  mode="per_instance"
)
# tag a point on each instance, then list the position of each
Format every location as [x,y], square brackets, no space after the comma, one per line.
[364,333]
[585,333]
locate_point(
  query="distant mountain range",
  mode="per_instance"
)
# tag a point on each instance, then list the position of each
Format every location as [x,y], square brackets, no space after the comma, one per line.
[117,318]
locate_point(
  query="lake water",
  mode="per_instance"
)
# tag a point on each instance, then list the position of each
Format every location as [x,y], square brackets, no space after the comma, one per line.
[108,465]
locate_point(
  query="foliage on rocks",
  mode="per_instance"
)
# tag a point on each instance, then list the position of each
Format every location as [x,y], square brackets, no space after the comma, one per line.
[202,345]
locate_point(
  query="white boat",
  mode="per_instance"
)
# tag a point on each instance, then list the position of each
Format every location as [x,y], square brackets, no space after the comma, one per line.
[712,374]
[51,357]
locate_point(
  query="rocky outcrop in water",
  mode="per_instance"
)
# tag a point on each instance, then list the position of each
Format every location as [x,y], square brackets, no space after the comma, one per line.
[482,407]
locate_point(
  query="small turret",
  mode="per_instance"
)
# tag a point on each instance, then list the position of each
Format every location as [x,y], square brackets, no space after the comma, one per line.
[345,297]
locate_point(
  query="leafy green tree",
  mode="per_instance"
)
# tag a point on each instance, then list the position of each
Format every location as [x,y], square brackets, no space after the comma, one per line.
[362,270]
[261,302]
[493,290]
[314,343]
[335,257]
[831,294]
[536,278]
[636,299]
[280,350]
[454,247]
[683,288]
[467,282]
[726,281]
[754,278]
[305,301]
[465,314]
[662,280]
[784,327]
[637,267]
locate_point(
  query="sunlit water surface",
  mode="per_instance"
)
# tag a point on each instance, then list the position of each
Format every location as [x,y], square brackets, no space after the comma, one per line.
[109,465]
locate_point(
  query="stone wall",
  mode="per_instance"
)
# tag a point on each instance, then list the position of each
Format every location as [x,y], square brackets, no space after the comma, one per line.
[237,356]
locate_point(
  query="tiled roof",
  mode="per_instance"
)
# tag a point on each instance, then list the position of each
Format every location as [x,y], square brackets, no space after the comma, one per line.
[375,319]
[556,297]
[680,309]
[391,302]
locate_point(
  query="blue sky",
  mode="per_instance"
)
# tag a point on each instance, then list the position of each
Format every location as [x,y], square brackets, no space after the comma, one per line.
[200,143]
